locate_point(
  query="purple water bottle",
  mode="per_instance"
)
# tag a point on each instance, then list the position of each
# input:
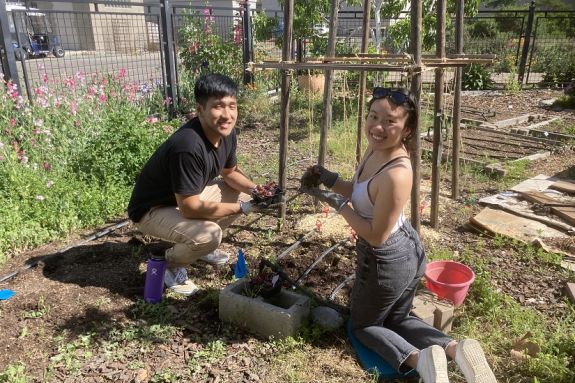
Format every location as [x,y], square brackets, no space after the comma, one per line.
[155,279]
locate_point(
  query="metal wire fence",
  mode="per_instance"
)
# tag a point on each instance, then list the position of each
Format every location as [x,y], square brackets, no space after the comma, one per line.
[132,39]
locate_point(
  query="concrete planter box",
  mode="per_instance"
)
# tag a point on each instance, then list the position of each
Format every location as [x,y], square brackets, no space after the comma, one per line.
[280,316]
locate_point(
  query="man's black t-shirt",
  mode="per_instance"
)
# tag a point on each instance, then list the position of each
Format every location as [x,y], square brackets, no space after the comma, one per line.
[185,163]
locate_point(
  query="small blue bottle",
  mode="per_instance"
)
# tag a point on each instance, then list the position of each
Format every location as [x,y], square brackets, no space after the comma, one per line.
[154,285]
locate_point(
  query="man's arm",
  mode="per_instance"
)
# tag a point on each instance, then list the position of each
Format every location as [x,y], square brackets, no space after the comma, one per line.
[236,179]
[192,207]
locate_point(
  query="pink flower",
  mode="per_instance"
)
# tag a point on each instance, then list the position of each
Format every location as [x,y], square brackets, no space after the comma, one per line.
[122,73]
[45,78]
[73,108]
[70,82]
[47,166]
[12,122]
[194,47]
[77,122]
[42,102]
[152,119]
[238,34]
[92,91]
[80,76]
[103,99]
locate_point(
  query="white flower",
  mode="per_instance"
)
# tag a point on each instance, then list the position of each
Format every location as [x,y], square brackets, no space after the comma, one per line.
[39,123]
[40,197]
[49,184]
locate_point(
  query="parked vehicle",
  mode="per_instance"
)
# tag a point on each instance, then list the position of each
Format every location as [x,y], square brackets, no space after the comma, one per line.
[32,35]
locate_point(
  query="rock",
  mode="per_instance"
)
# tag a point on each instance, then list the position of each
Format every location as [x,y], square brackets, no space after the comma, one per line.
[548,102]
[142,376]
[326,318]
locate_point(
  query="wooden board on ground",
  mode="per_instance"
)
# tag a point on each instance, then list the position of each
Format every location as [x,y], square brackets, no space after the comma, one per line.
[512,203]
[540,183]
[565,212]
[564,186]
[510,225]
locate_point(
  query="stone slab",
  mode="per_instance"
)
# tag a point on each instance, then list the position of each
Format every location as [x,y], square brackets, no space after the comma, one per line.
[510,225]
[435,312]
[570,291]
[280,316]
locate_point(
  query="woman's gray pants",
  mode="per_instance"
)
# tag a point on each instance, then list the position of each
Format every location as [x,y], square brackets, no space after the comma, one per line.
[386,278]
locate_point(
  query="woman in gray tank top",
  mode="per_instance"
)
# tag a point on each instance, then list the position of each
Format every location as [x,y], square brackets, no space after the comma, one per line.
[390,257]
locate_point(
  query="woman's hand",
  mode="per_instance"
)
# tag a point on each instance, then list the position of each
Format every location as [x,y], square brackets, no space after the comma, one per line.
[336,201]
[317,175]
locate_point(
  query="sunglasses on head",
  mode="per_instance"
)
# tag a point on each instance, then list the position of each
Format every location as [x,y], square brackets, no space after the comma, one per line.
[397,96]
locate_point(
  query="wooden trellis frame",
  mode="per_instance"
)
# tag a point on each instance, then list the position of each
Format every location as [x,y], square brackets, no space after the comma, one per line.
[412,64]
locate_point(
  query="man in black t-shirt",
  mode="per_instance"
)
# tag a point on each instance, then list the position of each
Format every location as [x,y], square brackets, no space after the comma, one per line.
[177,197]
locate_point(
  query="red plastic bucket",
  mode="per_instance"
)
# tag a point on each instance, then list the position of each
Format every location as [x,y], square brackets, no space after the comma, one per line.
[449,280]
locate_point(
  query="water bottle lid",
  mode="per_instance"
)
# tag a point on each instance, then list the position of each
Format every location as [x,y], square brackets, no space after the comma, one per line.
[158,257]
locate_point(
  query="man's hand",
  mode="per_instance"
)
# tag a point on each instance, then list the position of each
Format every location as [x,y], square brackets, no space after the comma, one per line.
[317,175]
[336,201]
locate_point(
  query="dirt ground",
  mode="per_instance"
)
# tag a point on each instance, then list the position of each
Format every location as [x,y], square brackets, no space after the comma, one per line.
[95,288]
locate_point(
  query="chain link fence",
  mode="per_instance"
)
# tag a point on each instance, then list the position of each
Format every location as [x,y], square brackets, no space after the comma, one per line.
[132,40]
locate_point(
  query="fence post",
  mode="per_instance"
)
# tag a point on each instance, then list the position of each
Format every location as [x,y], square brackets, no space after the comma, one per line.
[248,43]
[526,43]
[170,58]
[9,67]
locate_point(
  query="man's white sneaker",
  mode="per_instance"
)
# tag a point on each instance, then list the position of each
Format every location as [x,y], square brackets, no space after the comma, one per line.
[471,360]
[217,257]
[176,279]
[432,365]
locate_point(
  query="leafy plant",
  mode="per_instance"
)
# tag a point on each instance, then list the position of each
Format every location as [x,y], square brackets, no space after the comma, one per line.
[557,64]
[14,373]
[266,27]
[208,50]
[56,175]
[41,310]
[214,351]
[476,77]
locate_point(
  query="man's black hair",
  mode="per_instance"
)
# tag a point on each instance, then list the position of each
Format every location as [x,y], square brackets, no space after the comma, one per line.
[214,85]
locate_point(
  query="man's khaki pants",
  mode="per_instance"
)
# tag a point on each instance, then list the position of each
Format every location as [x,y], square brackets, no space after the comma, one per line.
[193,238]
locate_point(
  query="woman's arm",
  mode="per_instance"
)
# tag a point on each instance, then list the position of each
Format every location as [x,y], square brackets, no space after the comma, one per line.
[342,187]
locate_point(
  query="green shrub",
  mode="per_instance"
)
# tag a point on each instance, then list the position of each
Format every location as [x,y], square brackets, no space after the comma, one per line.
[70,160]
[204,49]
[476,77]
[557,63]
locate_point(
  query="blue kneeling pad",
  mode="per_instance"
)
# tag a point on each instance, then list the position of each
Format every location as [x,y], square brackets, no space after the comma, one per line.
[374,363]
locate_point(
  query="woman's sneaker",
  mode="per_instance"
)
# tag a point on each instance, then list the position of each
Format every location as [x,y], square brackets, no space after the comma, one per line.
[217,257]
[176,279]
[432,365]
[471,360]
